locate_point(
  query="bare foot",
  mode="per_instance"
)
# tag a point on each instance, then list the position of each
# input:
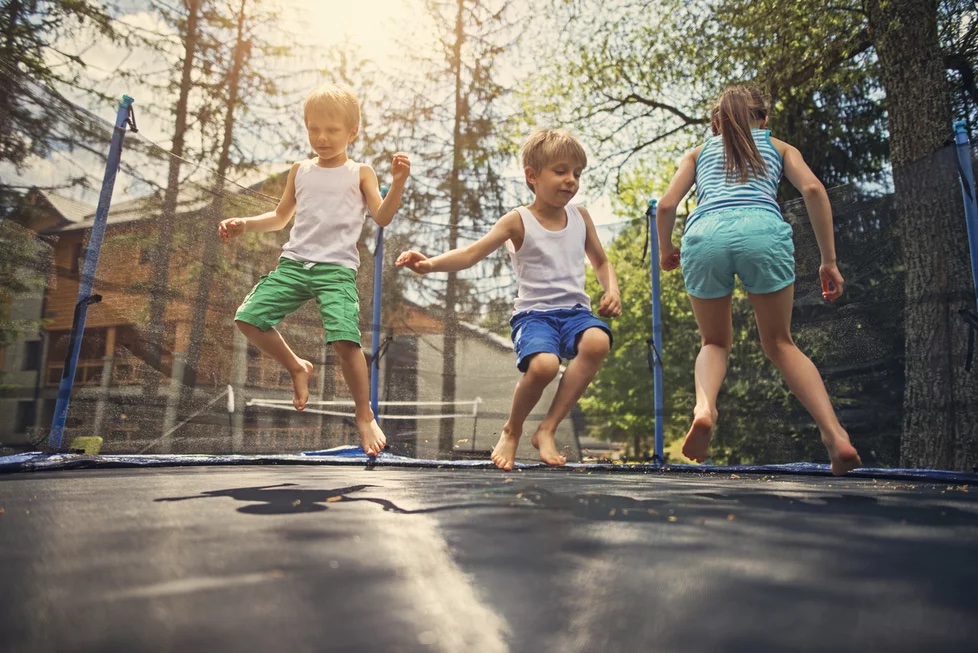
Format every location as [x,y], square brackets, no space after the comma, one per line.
[545,443]
[372,439]
[696,446]
[504,453]
[843,456]
[300,383]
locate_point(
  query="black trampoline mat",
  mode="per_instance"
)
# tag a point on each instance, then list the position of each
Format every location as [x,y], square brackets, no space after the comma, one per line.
[331,558]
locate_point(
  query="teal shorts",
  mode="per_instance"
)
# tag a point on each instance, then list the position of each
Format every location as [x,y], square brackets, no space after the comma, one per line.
[292,283]
[753,244]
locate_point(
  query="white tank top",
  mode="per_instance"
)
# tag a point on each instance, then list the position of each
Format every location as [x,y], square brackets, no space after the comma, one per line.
[329,215]
[550,264]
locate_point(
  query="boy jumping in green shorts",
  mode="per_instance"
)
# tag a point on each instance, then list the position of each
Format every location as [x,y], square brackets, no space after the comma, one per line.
[329,195]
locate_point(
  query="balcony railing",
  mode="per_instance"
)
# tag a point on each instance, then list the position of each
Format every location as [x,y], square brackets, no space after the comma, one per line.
[87,373]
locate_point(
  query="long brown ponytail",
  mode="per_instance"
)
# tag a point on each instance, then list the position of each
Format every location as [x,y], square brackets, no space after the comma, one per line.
[737,107]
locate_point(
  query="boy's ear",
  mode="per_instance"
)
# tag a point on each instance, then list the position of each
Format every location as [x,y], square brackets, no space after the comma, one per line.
[531,175]
[354,133]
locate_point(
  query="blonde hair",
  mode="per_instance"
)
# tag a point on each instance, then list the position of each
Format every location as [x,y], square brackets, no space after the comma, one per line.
[547,145]
[335,101]
[735,110]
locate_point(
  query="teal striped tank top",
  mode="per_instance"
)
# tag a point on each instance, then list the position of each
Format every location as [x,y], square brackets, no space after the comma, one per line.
[714,191]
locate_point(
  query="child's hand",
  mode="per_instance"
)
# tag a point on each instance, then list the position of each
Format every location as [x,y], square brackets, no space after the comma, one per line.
[230,228]
[610,305]
[415,261]
[400,167]
[832,281]
[669,260]
[669,257]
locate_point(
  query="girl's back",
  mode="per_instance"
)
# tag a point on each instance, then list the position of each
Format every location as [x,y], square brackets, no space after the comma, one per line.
[716,188]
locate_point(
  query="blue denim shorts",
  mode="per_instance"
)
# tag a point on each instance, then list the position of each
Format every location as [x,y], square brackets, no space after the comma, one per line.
[551,332]
[753,244]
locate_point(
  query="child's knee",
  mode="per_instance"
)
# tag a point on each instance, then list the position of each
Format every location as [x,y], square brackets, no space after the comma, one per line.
[543,367]
[595,344]
[719,343]
[346,348]
[775,347]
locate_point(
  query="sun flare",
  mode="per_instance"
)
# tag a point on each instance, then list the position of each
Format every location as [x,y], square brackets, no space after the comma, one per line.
[382,30]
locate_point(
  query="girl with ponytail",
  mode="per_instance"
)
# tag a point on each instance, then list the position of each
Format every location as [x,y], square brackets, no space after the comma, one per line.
[737,230]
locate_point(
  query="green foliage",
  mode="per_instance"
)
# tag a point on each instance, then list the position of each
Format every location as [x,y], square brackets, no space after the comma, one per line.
[32,124]
[30,61]
[24,269]
[653,70]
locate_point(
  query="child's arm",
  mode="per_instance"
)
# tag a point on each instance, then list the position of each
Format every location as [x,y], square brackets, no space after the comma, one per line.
[610,305]
[509,227]
[819,212]
[665,219]
[270,221]
[383,208]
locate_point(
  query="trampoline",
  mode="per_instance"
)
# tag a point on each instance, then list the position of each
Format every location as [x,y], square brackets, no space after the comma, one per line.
[330,554]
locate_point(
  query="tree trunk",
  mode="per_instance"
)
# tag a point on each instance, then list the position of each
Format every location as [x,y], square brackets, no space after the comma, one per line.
[446,431]
[211,254]
[161,253]
[941,399]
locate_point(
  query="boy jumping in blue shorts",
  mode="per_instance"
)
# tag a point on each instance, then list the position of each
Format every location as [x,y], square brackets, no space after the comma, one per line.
[547,242]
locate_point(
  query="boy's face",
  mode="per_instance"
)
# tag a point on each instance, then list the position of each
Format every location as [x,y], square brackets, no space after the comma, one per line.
[558,182]
[329,136]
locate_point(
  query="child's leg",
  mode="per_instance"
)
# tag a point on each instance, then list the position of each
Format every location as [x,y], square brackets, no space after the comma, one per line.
[354,367]
[592,349]
[543,369]
[715,324]
[773,314]
[270,342]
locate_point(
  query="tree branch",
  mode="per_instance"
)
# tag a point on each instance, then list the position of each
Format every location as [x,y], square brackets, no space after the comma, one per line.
[963,67]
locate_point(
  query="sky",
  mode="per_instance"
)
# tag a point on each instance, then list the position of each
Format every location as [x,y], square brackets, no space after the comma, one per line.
[383,30]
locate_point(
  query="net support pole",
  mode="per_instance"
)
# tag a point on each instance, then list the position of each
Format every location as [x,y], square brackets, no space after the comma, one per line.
[85,296]
[656,331]
[375,320]
[969,192]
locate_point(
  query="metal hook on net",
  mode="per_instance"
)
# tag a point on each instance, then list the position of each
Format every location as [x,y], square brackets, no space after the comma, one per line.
[131,120]
[652,354]
[648,231]
[383,347]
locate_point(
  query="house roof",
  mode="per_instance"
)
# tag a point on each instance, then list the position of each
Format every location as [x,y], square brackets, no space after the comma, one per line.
[70,209]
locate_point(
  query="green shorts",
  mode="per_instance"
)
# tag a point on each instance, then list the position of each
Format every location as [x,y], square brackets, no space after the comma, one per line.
[753,244]
[292,283]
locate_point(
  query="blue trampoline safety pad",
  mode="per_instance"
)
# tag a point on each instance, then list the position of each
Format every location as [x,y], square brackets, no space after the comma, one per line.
[354,455]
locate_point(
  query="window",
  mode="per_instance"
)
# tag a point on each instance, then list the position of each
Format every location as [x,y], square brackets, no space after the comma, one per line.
[47,410]
[250,416]
[77,258]
[25,416]
[32,356]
